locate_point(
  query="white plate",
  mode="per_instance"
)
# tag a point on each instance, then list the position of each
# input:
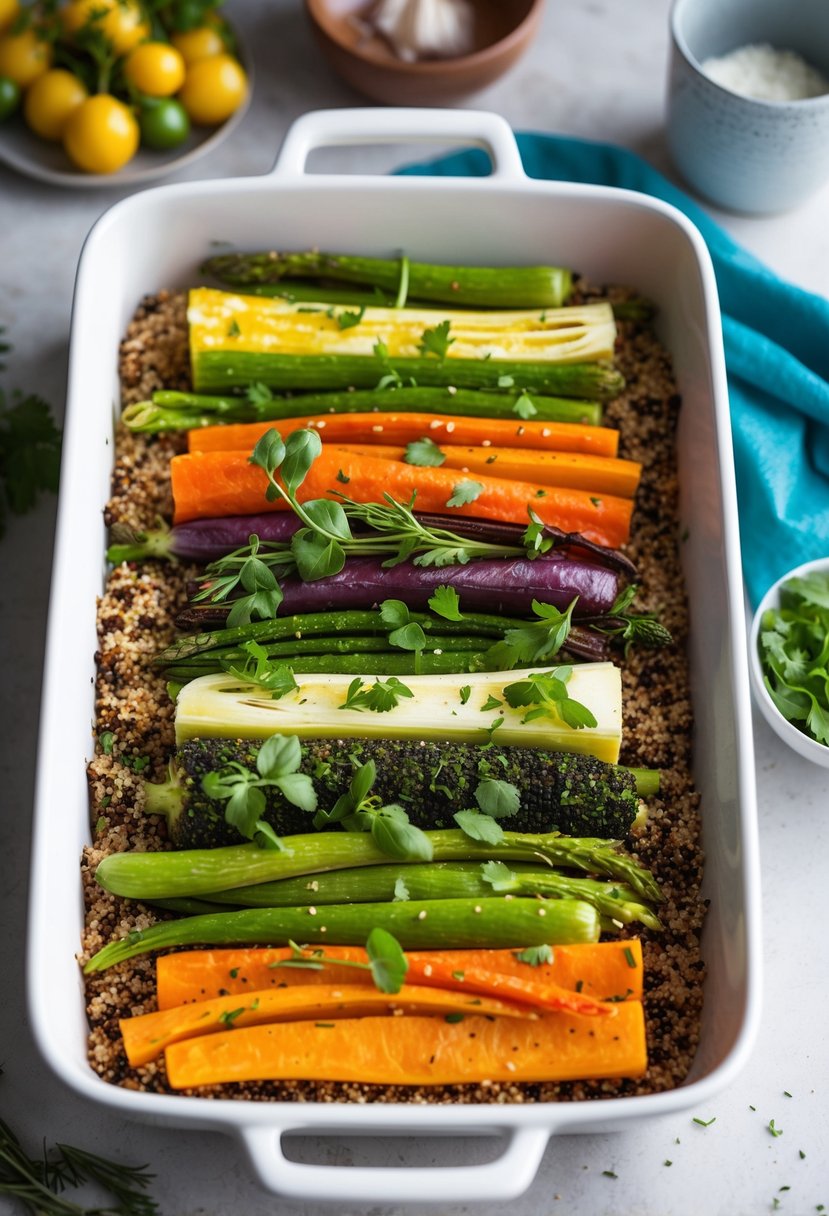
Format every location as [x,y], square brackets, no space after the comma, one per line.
[26,153]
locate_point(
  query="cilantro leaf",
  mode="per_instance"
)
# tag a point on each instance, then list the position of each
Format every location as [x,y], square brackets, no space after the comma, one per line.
[500,799]
[464,492]
[445,602]
[499,876]
[436,341]
[524,407]
[546,693]
[29,454]
[535,955]
[379,697]
[347,320]
[425,453]
[477,826]
[394,613]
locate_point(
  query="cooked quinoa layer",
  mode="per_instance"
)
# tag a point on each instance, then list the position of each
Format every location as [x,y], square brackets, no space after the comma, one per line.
[135,735]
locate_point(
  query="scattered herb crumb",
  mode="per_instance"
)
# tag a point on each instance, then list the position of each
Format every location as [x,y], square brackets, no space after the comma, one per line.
[667,1162]
[775,1131]
[707,1122]
[609,1174]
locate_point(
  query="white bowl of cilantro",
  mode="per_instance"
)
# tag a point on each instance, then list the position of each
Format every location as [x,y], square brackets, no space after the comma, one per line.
[789,659]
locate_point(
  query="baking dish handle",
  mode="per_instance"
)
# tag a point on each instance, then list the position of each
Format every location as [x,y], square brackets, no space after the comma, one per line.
[338,128]
[505,1178]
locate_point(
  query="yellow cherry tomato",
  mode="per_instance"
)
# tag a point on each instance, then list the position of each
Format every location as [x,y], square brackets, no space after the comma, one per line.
[23,57]
[214,89]
[199,43]
[8,11]
[50,101]
[101,134]
[120,21]
[155,68]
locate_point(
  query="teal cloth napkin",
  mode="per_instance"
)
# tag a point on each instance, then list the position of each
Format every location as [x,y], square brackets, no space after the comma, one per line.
[777,355]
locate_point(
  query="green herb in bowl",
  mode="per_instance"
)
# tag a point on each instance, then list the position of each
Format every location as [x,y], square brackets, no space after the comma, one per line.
[792,645]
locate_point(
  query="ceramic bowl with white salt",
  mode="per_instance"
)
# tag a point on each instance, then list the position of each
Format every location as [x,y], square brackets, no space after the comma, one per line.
[748,100]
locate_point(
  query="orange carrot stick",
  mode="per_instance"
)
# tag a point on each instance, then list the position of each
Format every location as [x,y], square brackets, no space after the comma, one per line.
[418,1051]
[380,427]
[597,474]
[147,1035]
[214,484]
[604,971]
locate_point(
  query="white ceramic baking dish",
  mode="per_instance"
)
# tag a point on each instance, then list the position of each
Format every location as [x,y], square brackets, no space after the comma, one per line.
[157,239]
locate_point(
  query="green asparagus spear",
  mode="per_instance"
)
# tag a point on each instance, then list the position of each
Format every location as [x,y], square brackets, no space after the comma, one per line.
[194,872]
[176,411]
[435,880]
[417,925]
[220,370]
[478,286]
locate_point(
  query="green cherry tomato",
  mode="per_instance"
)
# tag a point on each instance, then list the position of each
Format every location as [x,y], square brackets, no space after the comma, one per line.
[9,97]
[164,123]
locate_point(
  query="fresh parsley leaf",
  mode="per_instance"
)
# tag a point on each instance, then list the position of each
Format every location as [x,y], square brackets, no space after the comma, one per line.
[547,693]
[500,799]
[436,341]
[269,674]
[394,613]
[408,637]
[29,454]
[491,703]
[258,394]
[425,453]
[106,739]
[465,693]
[524,407]
[379,697]
[499,876]
[445,602]
[464,492]
[534,641]
[347,320]
[479,827]
[341,477]
[536,956]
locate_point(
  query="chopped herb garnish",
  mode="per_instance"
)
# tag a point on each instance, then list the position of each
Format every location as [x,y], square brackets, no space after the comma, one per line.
[106,741]
[233,329]
[458,975]
[478,826]
[609,1174]
[535,956]
[631,961]
[491,703]
[667,1162]
[234,971]
[597,502]
[775,1131]
[453,1017]
[524,407]
[347,320]
[786,1094]
[506,381]
[445,602]
[547,693]
[379,697]
[229,1016]
[465,693]
[401,891]
[705,1122]
[341,478]
[436,341]
[464,492]
[424,453]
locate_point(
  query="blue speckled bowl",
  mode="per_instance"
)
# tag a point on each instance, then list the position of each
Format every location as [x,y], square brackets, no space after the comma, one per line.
[746,155]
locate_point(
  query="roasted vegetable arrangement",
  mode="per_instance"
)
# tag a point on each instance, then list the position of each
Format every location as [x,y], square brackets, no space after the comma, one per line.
[400,716]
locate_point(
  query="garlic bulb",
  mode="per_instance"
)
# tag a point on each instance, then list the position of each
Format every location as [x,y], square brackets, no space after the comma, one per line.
[417,29]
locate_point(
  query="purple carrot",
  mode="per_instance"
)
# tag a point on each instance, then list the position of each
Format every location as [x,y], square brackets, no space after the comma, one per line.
[206,540]
[508,587]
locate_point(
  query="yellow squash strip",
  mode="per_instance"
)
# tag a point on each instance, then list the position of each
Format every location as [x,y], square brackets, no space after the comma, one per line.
[145,1037]
[418,1050]
[224,321]
[221,706]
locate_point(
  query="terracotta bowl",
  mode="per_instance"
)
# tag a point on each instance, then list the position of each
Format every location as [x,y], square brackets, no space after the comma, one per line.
[503,31]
